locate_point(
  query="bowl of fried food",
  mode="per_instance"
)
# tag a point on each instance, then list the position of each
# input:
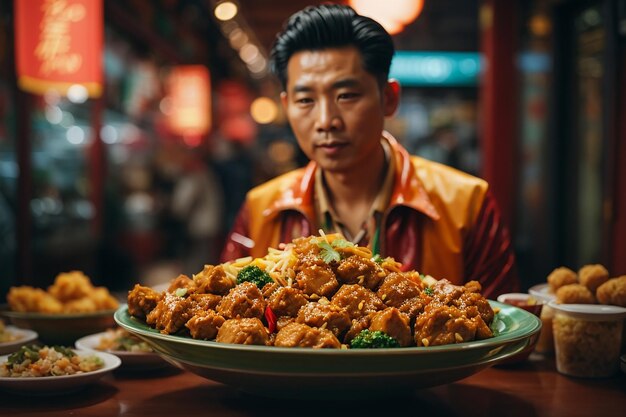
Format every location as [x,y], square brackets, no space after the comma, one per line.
[70,308]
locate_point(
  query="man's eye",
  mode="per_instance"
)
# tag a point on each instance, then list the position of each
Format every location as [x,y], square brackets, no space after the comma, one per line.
[304,100]
[347,96]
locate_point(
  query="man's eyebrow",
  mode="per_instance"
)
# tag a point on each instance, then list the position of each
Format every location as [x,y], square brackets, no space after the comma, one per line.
[347,82]
[301,88]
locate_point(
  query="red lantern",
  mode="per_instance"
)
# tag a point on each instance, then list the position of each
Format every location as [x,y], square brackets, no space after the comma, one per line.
[190,100]
[58,45]
[393,15]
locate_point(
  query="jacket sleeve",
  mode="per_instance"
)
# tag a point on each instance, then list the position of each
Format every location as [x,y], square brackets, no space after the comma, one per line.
[238,244]
[488,252]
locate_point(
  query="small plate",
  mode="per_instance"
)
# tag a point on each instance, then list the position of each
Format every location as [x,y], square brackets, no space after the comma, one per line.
[528,302]
[130,360]
[543,292]
[24,336]
[54,385]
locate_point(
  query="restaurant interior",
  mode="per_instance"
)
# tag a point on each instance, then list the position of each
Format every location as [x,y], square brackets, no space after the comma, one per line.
[133,169]
[527,95]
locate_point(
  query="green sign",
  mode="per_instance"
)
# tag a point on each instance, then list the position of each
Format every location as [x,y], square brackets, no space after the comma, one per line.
[433,69]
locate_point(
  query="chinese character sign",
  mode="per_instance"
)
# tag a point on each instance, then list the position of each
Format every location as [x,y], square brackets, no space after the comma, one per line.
[59,44]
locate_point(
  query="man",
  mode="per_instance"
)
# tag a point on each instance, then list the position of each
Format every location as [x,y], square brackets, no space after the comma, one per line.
[334,66]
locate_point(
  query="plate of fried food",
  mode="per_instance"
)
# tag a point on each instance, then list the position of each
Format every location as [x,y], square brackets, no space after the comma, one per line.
[68,309]
[51,370]
[135,353]
[324,315]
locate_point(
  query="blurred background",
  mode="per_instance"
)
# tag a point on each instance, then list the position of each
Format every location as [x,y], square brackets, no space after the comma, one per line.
[133,170]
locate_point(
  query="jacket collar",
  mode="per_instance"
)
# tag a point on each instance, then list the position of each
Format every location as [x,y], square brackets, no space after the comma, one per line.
[408,190]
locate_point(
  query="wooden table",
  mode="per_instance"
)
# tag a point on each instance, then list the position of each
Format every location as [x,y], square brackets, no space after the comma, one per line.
[533,388]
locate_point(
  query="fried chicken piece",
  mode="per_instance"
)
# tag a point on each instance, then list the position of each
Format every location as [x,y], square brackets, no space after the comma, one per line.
[26,298]
[205,325]
[314,276]
[357,300]
[574,294]
[142,300]
[182,281]
[592,276]
[394,323]
[442,325]
[80,305]
[301,335]
[613,292]
[213,280]
[358,270]
[70,286]
[170,314]
[286,301]
[243,331]
[243,301]
[561,276]
[329,316]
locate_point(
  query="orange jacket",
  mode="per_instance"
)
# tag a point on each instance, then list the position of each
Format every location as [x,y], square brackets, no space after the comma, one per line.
[439,221]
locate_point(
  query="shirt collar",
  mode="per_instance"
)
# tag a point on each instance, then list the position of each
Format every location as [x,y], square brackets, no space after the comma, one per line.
[407,188]
[324,209]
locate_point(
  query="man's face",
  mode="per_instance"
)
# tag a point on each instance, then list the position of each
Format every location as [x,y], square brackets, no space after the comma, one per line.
[336,109]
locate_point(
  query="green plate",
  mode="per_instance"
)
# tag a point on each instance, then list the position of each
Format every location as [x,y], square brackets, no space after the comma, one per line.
[300,372]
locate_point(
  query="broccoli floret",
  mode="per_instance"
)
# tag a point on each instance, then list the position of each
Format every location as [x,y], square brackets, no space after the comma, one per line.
[373,340]
[255,275]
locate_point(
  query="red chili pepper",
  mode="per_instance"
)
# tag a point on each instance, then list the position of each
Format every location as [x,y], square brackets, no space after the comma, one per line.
[271,319]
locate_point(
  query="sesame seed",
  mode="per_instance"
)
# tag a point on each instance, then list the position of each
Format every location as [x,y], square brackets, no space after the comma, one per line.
[425,342]
[458,337]
[361,305]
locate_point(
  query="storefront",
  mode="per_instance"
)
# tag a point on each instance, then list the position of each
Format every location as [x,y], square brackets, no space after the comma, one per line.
[570,201]
[86,183]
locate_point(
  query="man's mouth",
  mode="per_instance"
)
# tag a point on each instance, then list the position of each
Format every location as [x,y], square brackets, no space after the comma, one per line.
[330,144]
[331,148]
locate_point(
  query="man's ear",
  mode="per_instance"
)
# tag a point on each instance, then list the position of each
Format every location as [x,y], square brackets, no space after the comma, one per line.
[391,97]
[283,100]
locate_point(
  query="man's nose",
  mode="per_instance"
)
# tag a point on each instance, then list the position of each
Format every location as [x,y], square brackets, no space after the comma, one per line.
[328,117]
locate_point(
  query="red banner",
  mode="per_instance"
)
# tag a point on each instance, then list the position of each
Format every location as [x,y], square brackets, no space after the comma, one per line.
[190,95]
[59,44]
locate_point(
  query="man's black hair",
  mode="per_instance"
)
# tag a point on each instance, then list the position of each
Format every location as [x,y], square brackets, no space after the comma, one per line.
[333,26]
